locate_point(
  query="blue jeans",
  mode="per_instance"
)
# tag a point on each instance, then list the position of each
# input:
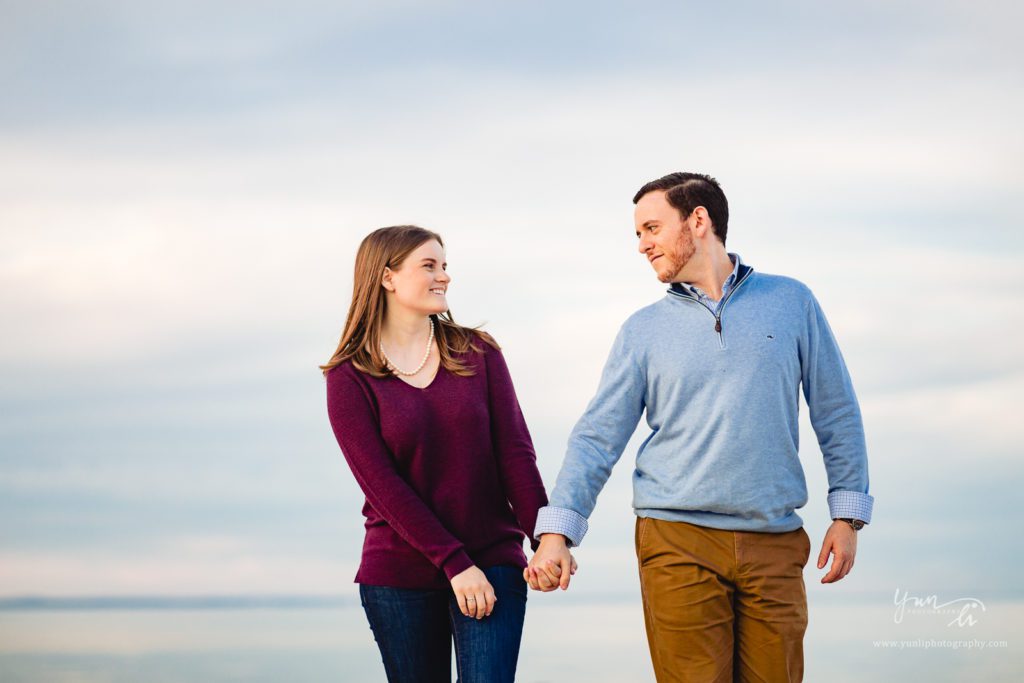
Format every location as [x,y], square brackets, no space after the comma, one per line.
[414,631]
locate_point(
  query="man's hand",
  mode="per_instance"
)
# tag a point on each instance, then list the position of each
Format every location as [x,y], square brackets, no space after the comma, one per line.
[551,566]
[841,542]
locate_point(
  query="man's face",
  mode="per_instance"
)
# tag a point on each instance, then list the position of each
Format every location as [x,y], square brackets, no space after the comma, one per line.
[665,238]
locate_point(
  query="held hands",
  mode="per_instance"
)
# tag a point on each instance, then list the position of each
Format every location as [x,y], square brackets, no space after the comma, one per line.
[551,566]
[474,593]
[841,542]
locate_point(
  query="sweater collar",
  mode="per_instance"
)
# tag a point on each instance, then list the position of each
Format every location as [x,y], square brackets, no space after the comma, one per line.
[739,271]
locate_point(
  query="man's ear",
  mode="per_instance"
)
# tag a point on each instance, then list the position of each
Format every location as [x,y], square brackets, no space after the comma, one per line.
[701,221]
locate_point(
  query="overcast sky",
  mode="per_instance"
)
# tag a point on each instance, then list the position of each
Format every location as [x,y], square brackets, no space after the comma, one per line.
[183,189]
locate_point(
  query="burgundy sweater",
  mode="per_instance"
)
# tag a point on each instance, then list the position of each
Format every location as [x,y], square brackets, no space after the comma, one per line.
[449,471]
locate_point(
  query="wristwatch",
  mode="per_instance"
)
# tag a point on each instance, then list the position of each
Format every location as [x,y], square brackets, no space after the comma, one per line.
[855,523]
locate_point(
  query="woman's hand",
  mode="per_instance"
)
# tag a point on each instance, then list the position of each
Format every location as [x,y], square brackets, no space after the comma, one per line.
[552,565]
[474,593]
[549,579]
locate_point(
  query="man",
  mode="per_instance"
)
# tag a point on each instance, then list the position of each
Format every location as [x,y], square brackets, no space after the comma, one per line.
[717,365]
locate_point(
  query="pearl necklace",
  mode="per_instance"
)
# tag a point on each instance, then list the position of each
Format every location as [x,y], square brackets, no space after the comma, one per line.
[423,362]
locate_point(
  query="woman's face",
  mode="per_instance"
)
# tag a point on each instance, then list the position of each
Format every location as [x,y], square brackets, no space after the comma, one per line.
[420,282]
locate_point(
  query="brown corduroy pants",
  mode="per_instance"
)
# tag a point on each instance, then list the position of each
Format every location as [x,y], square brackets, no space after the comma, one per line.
[723,606]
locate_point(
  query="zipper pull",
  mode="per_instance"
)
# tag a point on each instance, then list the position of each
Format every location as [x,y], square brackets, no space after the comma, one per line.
[718,325]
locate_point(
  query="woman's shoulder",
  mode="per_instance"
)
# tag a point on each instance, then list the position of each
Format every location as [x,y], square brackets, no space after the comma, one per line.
[345,373]
[473,351]
[482,348]
[339,370]
[350,389]
[484,342]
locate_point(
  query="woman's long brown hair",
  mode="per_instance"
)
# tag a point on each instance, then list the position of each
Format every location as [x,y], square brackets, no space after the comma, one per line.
[388,248]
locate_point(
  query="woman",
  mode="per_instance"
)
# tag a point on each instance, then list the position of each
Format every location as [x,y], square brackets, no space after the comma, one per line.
[427,418]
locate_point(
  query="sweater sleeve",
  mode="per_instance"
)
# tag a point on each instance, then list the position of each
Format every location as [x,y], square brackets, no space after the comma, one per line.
[596,443]
[835,416]
[517,460]
[356,427]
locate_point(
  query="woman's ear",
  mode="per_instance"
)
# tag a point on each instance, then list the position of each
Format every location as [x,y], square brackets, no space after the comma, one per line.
[385,280]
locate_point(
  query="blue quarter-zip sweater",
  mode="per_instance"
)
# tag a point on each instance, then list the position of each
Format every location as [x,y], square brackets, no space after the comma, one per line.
[721,394]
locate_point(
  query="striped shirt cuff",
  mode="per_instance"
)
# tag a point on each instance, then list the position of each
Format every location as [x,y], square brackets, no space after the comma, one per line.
[569,523]
[850,504]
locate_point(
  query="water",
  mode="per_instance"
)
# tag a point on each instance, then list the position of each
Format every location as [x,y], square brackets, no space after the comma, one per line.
[563,641]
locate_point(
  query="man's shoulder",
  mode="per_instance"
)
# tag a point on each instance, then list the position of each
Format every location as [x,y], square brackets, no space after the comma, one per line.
[782,286]
[649,313]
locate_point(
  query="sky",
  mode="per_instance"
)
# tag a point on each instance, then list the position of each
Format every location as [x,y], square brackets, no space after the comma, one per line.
[183,189]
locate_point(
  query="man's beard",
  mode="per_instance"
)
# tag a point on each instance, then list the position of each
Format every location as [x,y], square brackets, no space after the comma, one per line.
[684,250]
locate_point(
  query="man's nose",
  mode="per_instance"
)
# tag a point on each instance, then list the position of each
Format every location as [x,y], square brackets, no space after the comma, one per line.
[643,244]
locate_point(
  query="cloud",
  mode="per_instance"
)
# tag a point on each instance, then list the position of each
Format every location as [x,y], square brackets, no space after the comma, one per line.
[181,206]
